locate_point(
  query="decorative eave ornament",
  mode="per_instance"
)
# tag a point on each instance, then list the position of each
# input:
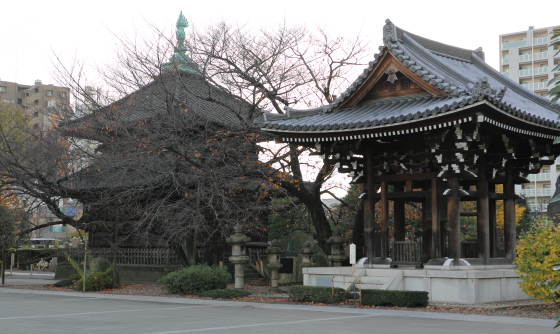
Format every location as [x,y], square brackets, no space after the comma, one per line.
[389,32]
[483,88]
[180,61]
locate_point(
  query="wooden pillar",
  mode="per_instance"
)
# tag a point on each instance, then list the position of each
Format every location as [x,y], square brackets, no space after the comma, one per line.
[436,249]
[369,210]
[453,220]
[492,221]
[510,240]
[399,216]
[382,236]
[483,215]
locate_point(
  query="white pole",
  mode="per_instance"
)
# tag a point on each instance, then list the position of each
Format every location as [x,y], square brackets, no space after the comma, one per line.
[12,260]
[352,256]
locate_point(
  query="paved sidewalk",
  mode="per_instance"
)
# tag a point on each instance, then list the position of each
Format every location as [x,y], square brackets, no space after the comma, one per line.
[25,277]
[23,311]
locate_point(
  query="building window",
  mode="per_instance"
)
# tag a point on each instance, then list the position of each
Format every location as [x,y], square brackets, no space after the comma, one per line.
[19,101]
[3,89]
[64,94]
[26,94]
[57,228]
[36,102]
[49,93]
[36,114]
[36,126]
[9,101]
[36,90]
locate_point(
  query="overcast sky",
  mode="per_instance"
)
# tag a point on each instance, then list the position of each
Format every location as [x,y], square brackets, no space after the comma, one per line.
[32,30]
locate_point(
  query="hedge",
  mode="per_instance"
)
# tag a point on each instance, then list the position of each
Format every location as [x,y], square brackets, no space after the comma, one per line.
[196,279]
[316,294]
[395,298]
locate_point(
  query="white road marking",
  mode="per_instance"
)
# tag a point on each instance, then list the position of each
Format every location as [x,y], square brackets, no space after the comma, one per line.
[100,312]
[260,325]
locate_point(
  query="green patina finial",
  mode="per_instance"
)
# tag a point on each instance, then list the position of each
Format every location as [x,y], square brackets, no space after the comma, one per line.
[180,61]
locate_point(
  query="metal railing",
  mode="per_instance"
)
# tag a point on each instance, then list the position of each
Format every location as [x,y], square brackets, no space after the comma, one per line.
[527,71]
[506,73]
[540,55]
[505,60]
[512,44]
[539,177]
[540,40]
[525,57]
[537,192]
[540,70]
[140,256]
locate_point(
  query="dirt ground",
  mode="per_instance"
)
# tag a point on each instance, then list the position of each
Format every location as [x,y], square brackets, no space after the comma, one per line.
[526,309]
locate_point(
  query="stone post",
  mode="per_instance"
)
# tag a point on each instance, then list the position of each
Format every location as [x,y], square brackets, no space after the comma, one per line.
[238,254]
[336,242]
[274,264]
[307,255]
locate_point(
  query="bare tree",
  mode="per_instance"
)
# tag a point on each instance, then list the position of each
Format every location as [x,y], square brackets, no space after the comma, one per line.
[172,153]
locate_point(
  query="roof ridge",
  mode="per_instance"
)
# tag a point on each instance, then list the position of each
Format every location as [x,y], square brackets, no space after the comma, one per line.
[445,69]
[542,101]
[438,46]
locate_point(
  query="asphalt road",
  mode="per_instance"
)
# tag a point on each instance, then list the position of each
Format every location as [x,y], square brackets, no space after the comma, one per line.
[27,311]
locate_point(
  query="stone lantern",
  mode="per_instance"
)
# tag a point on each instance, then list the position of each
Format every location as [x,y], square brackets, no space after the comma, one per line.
[238,254]
[307,254]
[274,264]
[336,242]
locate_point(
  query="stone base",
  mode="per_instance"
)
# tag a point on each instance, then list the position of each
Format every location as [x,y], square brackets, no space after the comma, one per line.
[459,284]
[275,291]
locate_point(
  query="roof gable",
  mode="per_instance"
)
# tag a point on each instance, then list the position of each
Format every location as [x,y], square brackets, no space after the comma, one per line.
[389,78]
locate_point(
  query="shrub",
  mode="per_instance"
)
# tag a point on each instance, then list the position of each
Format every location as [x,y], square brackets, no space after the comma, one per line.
[316,294]
[537,253]
[224,294]
[395,298]
[96,281]
[196,279]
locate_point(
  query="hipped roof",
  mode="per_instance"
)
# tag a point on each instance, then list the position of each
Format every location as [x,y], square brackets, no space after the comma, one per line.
[453,78]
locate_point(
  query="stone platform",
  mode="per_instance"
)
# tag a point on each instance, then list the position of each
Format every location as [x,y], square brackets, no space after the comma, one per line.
[450,284]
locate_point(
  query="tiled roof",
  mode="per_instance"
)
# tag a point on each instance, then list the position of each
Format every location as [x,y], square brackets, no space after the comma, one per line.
[462,74]
[191,90]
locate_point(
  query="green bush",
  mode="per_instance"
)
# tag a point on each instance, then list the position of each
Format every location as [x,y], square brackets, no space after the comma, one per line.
[196,279]
[316,294]
[224,294]
[96,281]
[395,298]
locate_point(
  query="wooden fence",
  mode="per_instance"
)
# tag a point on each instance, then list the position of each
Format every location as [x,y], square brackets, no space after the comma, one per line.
[469,250]
[139,256]
[406,251]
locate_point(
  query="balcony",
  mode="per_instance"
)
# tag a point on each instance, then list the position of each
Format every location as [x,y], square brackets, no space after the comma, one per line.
[525,57]
[540,55]
[506,73]
[512,44]
[540,40]
[537,207]
[505,60]
[537,192]
[540,85]
[525,72]
[539,177]
[529,86]
[540,70]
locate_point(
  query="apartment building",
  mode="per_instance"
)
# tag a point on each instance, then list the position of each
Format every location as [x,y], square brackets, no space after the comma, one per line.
[527,58]
[41,103]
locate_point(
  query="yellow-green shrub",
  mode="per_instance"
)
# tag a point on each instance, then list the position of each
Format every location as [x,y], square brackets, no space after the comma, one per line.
[537,253]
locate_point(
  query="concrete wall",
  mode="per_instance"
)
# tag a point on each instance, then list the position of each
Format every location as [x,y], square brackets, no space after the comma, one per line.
[463,286]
